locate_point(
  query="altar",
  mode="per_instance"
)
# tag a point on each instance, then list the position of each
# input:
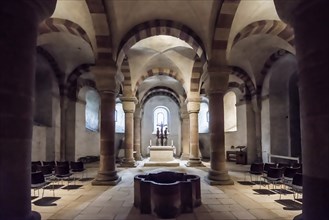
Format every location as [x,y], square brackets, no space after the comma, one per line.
[162,153]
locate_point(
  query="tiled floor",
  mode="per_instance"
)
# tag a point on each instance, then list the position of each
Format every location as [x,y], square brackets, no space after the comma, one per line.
[116,202]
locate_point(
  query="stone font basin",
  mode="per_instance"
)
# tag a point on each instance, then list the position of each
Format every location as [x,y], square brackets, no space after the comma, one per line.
[166,194]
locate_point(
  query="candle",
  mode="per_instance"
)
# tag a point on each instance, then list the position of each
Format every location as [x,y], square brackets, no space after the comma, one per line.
[150,142]
[172,143]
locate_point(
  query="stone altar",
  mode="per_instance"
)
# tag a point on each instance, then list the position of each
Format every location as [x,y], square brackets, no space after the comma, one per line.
[162,153]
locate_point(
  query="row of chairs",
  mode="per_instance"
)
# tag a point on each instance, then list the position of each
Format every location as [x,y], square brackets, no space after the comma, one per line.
[279,174]
[74,166]
[46,172]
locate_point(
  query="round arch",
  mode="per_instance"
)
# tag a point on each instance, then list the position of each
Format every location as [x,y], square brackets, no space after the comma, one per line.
[161,27]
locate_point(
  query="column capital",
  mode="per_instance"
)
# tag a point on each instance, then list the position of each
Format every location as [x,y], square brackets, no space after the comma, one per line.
[193,105]
[129,104]
[105,77]
[218,77]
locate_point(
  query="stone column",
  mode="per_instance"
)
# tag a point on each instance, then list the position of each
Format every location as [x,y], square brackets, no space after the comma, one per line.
[128,104]
[193,107]
[19,22]
[185,128]
[257,108]
[106,84]
[309,20]
[218,82]
[63,124]
[137,133]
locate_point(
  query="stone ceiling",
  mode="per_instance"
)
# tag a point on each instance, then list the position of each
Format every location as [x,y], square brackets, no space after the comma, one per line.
[107,23]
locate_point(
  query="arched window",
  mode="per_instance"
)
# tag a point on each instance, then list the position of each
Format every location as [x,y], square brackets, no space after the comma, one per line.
[204,118]
[119,118]
[160,117]
[230,119]
[92,109]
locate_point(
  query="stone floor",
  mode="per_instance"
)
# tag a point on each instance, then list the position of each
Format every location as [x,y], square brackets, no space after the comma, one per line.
[237,201]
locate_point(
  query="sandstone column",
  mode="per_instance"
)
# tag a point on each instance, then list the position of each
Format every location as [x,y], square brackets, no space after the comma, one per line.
[106,84]
[63,124]
[185,128]
[137,132]
[257,102]
[128,104]
[310,20]
[19,22]
[218,82]
[193,107]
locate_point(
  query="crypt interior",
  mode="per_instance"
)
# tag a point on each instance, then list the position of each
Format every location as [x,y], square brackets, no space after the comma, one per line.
[104,79]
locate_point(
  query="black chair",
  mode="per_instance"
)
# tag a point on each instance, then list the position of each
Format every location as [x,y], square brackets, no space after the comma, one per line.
[52,164]
[47,171]
[283,165]
[288,175]
[36,163]
[62,173]
[38,182]
[297,185]
[274,177]
[299,166]
[256,169]
[267,166]
[77,167]
[63,163]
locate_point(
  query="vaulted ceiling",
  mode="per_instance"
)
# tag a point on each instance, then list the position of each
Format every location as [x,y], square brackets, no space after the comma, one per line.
[165,44]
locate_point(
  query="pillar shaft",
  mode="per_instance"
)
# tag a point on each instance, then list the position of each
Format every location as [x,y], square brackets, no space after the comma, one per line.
[218,82]
[185,136]
[19,21]
[193,107]
[257,102]
[128,104]
[63,106]
[218,174]
[309,20]
[107,174]
[106,84]
[137,136]
[194,136]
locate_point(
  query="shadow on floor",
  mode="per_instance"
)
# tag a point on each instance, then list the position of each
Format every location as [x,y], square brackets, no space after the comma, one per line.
[289,204]
[54,186]
[46,201]
[70,187]
[33,197]
[300,200]
[85,179]
[282,191]
[246,183]
[264,191]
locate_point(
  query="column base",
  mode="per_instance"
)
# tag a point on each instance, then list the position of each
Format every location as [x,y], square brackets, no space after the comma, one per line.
[194,163]
[106,179]
[184,157]
[138,157]
[128,163]
[218,178]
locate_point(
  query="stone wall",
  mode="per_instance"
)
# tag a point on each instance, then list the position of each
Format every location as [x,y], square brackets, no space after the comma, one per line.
[87,142]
